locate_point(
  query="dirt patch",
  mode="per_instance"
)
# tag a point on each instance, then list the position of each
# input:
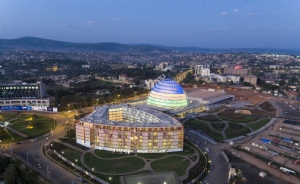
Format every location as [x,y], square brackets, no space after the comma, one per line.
[246,95]
[267,106]
[231,115]
[256,112]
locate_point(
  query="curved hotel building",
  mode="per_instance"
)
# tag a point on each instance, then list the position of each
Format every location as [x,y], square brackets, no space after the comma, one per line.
[125,128]
[167,93]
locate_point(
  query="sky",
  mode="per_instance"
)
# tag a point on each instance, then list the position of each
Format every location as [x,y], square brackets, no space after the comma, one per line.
[199,23]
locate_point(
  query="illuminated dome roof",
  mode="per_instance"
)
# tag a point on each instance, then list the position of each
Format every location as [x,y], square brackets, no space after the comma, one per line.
[167,93]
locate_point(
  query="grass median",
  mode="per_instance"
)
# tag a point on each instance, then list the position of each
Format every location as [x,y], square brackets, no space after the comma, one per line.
[204,126]
[257,125]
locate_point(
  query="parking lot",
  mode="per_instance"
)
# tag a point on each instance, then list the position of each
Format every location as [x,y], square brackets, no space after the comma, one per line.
[279,143]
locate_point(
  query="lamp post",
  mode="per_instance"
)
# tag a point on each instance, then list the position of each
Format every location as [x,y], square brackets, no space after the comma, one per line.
[68,107]
[97,101]
[47,172]
[27,159]
[51,132]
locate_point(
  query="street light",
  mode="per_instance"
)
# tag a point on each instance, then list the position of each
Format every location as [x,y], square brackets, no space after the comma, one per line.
[97,101]
[47,172]
[51,132]
[27,159]
[68,107]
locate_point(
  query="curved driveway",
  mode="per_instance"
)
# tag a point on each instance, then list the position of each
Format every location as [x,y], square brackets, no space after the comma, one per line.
[36,156]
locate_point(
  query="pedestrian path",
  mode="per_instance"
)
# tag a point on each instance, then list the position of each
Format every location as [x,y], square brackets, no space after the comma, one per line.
[16,132]
[147,166]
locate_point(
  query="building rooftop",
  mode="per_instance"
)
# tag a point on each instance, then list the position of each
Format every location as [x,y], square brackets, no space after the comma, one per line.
[151,118]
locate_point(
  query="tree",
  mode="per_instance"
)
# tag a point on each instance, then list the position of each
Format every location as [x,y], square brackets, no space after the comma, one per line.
[282,82]
[10,174]
[294,80]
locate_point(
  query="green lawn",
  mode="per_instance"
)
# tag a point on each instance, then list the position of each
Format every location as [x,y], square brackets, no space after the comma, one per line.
[6,138]
[204,126]
[236,130]
[121,165]
[172,163]
[33,125]
[187,150]
[106,154]
[209,118]
[68,153]
[259,124]
[230,115]
[6,116]
[218,126]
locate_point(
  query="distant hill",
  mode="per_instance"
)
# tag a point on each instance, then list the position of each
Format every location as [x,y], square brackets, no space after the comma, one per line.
[32,43]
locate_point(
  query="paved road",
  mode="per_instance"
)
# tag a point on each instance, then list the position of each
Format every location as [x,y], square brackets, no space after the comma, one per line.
[219,173]
[35,154]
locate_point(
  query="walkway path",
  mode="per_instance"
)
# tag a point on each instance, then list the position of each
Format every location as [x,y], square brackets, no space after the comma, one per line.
[147,166]
[16,132]
[13,130]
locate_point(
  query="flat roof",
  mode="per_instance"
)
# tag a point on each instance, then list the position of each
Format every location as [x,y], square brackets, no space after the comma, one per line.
[204,94]
[209,96]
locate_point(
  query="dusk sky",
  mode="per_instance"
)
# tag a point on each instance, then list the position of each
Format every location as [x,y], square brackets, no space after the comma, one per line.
[207,24]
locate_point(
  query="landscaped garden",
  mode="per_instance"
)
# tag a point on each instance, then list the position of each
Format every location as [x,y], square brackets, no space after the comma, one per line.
[107,154]
[68,153]
[235,130]
[32,125]
[204,126]
[257,125]
[172,163]
[218,126]
[7,136]
[231,115]
[7,116]
[187,150]
[120,165]
[209,118]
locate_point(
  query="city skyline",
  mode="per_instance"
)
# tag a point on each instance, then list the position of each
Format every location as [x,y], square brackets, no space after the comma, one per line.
[207,24]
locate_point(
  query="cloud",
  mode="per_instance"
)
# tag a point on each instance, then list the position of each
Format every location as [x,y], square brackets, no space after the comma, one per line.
[223,13]
[253,15]
[235,10]
[117,19]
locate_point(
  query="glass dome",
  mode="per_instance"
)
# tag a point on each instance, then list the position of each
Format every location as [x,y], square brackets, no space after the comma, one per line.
[167,93]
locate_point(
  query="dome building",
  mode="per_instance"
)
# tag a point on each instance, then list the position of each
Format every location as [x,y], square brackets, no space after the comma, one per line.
[167,93]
